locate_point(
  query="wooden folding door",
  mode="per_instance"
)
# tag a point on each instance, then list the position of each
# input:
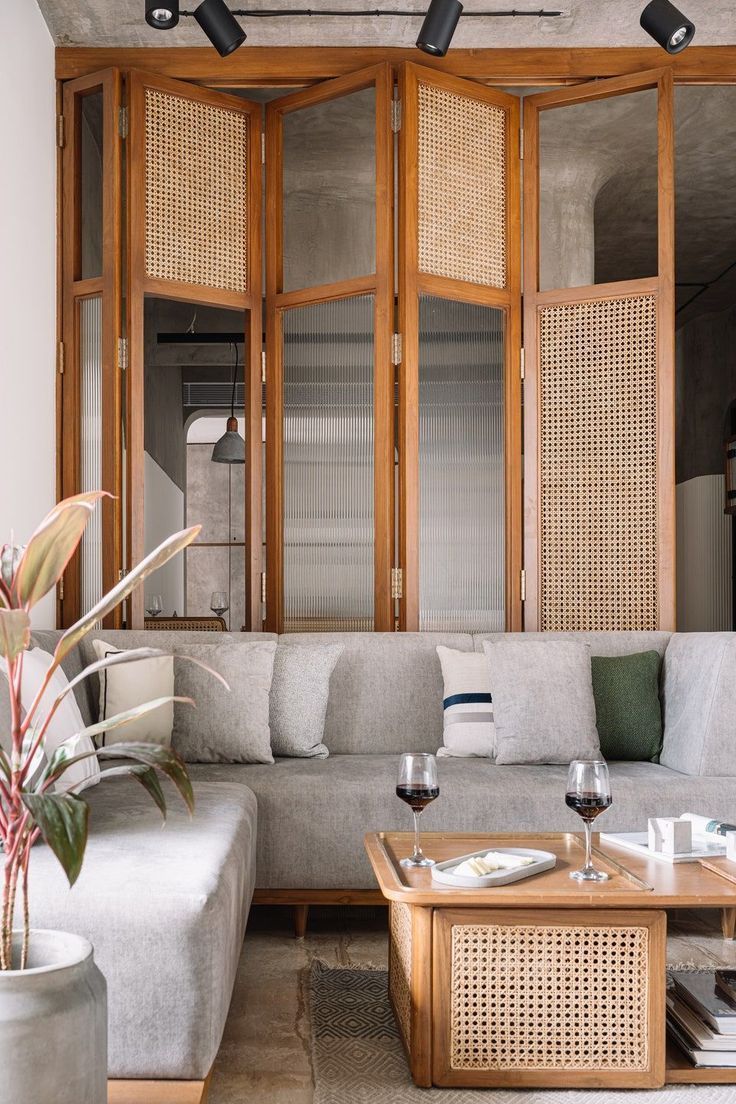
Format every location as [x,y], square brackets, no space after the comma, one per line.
[329,377]
[598,336]
[90,332]
[194,190]
[459,376]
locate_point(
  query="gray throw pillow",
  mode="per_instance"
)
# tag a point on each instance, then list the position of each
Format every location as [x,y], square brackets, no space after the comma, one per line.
[543,701]
[224,727]
[299,694]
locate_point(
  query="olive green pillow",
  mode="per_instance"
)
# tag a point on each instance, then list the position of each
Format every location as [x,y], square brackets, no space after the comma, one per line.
[627,706]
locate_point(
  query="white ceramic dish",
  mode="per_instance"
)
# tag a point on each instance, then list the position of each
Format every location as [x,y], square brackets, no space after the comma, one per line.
[443,872]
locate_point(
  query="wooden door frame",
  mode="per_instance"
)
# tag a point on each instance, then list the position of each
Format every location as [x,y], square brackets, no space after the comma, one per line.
[74,289]
[140,285]
[289,66]
[378,284]
[662,286]
[412,285]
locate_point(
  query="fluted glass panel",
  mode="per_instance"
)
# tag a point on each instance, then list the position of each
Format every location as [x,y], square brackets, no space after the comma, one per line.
[90,446]
[328,466]
[461,466]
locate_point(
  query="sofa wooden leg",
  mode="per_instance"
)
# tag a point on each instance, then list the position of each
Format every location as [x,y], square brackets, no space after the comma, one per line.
[301,914]
[728,922]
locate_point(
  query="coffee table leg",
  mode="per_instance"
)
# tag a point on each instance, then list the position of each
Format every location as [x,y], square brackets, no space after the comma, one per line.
[410,985]
[728,922]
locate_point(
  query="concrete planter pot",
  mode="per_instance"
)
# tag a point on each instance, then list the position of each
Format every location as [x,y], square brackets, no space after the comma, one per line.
[53,1024]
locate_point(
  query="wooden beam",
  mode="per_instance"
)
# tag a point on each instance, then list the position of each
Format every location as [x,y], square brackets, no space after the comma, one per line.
[295,66]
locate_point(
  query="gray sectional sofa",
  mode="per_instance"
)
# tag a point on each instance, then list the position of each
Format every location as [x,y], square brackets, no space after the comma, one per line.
[166,910]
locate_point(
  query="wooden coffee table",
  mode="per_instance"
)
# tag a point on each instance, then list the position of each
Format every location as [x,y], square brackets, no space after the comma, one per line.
[544,982]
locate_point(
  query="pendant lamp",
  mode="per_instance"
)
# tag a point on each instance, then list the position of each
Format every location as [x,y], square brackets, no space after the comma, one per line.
[230,449]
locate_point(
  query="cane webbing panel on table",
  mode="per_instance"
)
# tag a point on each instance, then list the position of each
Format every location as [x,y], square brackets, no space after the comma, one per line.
[549,997]
[462,188]
[399,978]
[196,192]
[598,464]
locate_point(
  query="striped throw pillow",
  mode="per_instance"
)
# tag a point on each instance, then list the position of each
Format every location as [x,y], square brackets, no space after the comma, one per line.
[469,729]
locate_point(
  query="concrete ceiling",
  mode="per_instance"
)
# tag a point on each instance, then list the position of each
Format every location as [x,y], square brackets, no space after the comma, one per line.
[583,23]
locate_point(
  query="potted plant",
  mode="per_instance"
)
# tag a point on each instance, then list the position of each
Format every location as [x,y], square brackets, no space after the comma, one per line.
[53,1010]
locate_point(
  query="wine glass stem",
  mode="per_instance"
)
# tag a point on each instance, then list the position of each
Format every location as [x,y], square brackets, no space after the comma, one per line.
[588,844]
[417,848]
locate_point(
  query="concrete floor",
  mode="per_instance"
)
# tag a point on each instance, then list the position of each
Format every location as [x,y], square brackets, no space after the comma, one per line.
[265,1054]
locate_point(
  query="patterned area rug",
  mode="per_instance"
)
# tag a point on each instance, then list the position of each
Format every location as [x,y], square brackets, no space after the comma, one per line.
[358,1058]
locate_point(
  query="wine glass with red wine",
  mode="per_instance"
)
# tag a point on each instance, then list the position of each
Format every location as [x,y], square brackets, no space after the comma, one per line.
[417,785]
[589,794]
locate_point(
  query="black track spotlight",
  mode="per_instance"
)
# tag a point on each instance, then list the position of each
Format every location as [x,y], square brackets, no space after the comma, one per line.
[162,14]
[667,26]
[439,26]
[220,26]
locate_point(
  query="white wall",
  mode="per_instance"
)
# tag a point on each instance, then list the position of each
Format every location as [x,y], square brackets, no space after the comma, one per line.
[704,564]
[163,515]
[27,275]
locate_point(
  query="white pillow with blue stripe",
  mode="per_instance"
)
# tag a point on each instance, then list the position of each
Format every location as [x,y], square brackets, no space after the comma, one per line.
[469,729]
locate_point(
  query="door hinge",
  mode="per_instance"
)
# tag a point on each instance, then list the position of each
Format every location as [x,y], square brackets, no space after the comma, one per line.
[123,353]
[60,358]
[263,147]
[263,367]
[60,135]
[397,582]
[61,589]
[522,363]
[123,122]
[523,585]
[521,143]
[396,116]
[263,587]
[396,348]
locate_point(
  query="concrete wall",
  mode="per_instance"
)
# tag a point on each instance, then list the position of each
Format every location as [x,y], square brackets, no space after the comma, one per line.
[164,515]
[215,500]
[27,276]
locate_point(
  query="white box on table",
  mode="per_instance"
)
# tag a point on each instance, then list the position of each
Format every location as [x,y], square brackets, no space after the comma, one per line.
[671,835]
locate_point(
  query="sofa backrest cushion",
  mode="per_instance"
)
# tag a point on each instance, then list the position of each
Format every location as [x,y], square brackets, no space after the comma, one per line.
[699,682]
[386,690]
[601,643]
[88,691]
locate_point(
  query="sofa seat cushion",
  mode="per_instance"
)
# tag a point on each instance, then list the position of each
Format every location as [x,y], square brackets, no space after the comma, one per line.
[165,909]
[313,814]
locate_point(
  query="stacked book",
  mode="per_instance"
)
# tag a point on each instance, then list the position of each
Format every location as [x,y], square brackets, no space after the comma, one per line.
[701,1015]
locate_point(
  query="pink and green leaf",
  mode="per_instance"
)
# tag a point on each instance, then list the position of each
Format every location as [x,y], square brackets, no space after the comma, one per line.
[51,547]
[15,632]
[62,820]
[128,583]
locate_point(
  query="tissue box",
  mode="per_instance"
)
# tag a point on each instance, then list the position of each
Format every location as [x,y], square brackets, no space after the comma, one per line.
[671,835]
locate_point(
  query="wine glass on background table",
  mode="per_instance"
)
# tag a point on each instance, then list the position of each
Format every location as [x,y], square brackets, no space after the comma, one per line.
[417,785]
[589,794]
[219,603]
[154,605]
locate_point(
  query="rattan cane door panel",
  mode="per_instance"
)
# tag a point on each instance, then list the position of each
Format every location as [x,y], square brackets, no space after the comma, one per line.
[598,464]
[196,192]
[462,187]
[532,998]
[599,390]
[194,198]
